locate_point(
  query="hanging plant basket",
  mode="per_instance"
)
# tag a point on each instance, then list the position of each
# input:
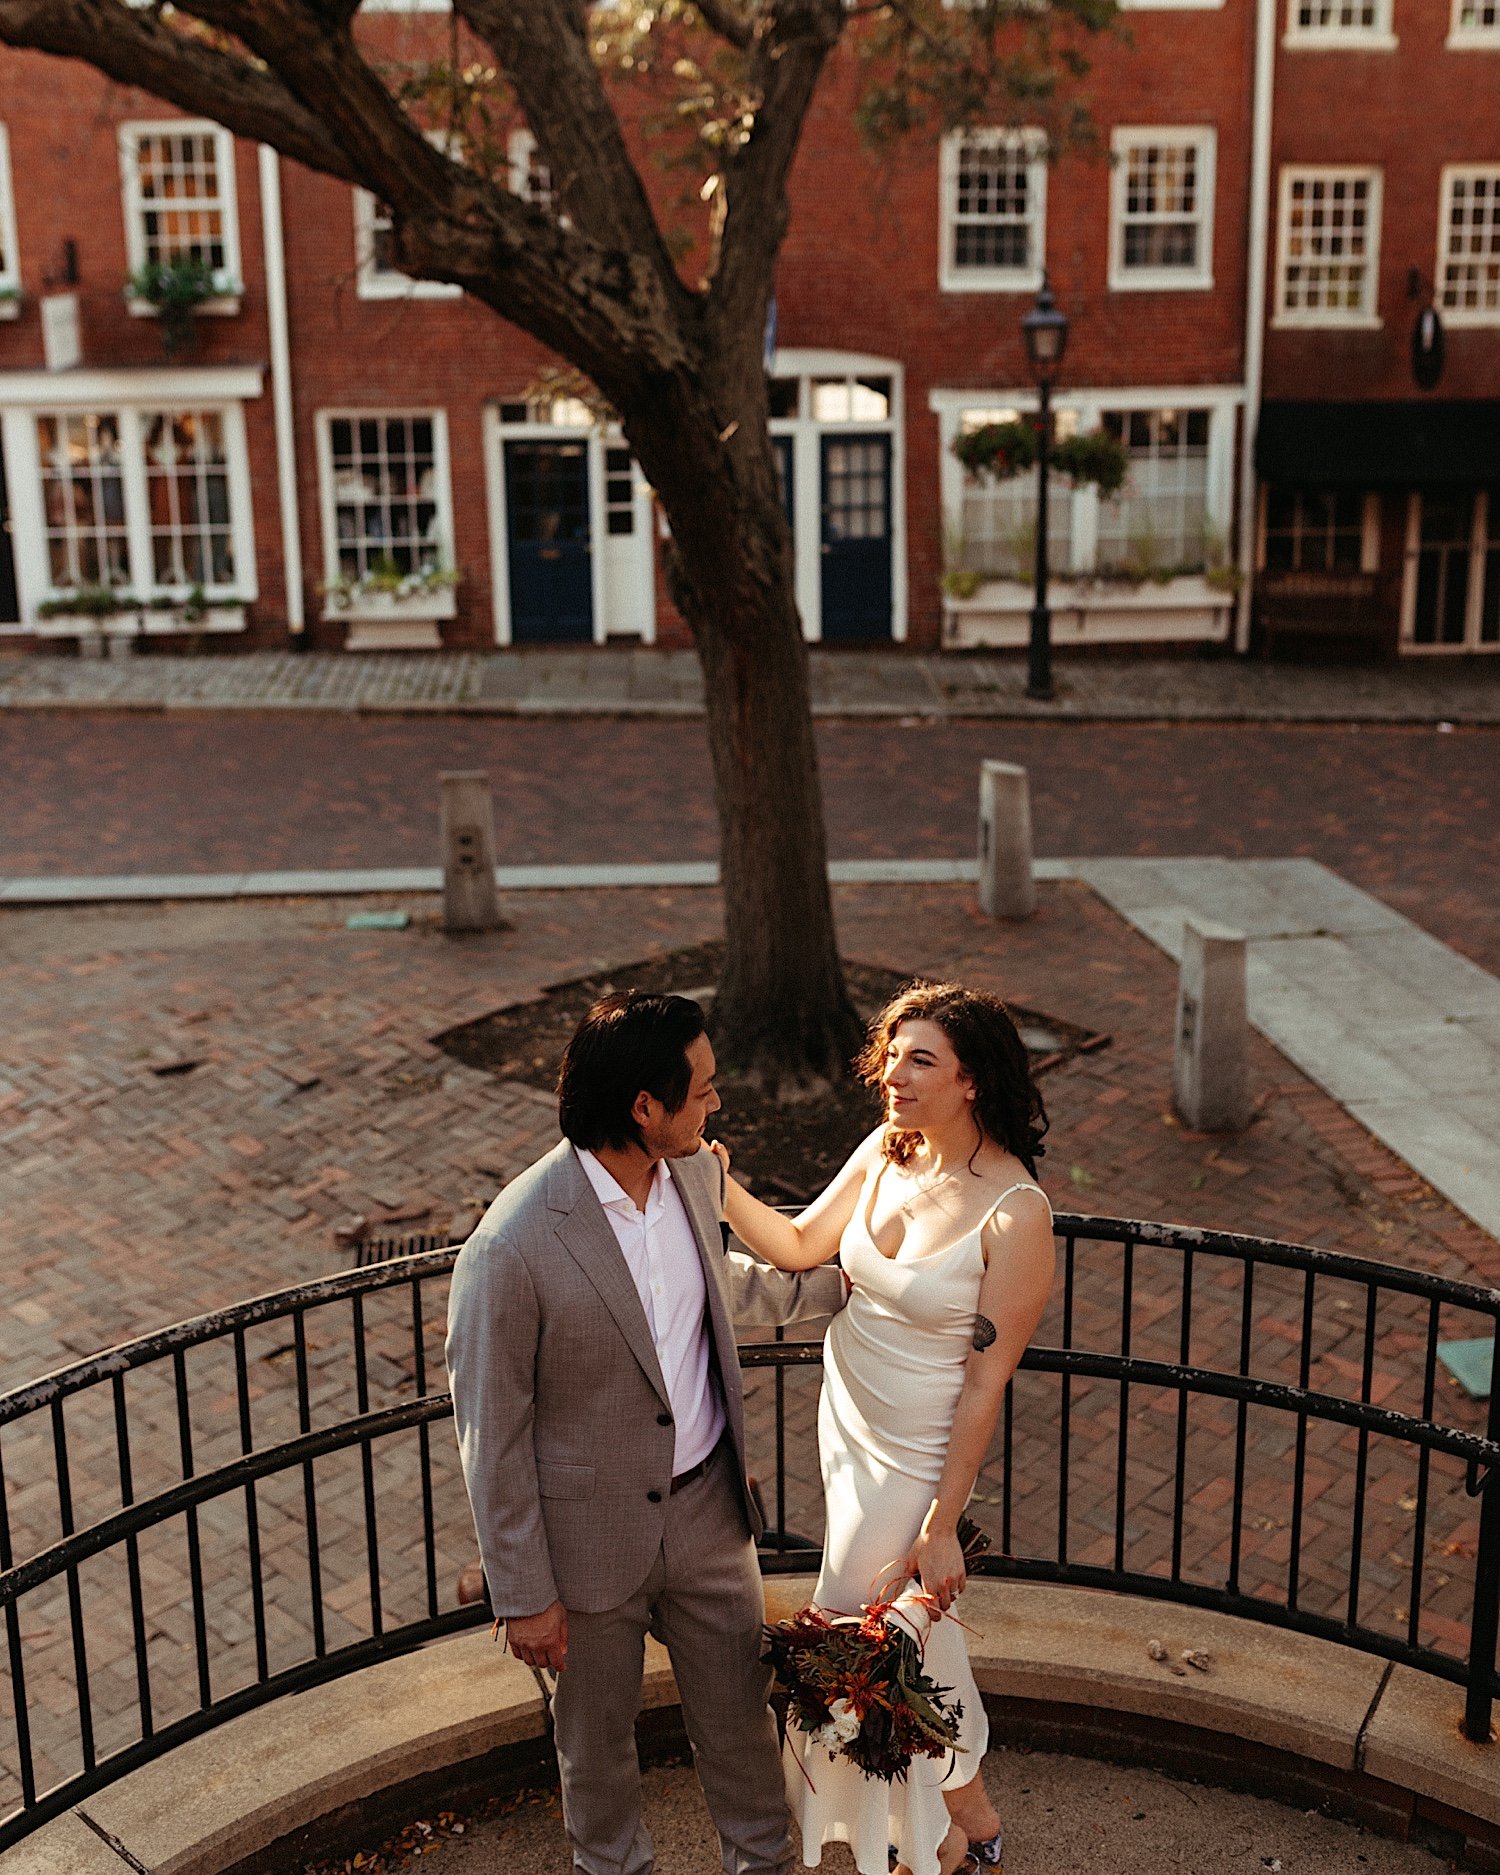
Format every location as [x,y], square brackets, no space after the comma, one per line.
[1003,450]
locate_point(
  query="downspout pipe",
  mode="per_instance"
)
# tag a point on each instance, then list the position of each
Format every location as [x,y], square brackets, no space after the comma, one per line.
[281,392]
[1258,242]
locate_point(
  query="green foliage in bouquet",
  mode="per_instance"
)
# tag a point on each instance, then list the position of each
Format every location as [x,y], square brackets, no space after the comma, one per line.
[857,1684]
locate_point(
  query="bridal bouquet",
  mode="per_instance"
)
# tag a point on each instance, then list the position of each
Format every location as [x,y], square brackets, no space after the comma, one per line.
[857,1685]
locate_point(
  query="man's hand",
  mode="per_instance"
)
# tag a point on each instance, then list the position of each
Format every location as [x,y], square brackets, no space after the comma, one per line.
[540,1640]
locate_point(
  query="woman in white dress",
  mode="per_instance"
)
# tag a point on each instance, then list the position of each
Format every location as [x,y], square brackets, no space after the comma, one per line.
[946,1240]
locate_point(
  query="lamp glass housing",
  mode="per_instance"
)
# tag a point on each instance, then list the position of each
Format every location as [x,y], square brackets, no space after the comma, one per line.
[1045,329]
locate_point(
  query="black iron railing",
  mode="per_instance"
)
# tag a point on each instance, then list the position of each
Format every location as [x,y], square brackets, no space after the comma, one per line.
[246,1504]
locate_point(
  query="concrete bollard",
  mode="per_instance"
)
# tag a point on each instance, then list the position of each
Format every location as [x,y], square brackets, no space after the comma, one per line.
[469,902]
[1006,886]
[1211,1059]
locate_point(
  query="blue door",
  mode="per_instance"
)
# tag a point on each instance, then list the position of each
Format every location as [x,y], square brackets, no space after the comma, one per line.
[547,523]
[856,538]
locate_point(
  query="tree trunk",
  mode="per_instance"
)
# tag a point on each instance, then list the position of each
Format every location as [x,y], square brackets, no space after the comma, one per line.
[782,1013]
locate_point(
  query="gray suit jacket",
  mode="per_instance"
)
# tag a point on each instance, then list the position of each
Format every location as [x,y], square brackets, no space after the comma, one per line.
[558,1399]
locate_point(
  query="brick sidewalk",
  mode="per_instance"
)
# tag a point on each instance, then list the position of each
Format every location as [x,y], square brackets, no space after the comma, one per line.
[628,681]
[130,1198]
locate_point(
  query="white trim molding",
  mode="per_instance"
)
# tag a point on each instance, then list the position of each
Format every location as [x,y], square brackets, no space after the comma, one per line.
[1312,25]
[1027,150]
[187,386]
[1468,281]
[1327,246]
[1168,141]
[228,277]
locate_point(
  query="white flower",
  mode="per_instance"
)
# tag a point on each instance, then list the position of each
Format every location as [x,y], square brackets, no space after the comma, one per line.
[843,1725]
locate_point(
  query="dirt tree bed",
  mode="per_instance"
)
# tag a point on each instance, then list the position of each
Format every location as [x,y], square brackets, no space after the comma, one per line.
[784,1149]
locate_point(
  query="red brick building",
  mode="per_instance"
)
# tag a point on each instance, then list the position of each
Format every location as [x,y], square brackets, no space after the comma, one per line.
[1282,188]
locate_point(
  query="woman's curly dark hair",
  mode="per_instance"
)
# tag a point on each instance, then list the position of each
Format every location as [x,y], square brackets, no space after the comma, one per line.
[1007,1102]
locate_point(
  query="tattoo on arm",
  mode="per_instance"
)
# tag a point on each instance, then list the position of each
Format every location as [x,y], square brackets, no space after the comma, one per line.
[984,1333]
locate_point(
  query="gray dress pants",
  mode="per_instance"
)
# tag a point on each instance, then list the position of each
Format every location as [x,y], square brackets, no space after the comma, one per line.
[703,1602]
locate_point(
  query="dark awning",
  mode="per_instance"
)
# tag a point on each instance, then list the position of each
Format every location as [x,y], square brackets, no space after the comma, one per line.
[1375,445]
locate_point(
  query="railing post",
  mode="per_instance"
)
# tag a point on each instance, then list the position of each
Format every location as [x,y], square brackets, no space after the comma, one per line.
[1485,1622]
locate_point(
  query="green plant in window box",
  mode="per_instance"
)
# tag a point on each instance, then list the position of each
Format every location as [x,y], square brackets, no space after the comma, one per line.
[95,602]
[177,289]
[386,578]
[962,582]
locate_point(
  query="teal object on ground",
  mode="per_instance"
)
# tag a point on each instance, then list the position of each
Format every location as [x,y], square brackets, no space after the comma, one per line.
[377,921]
[1470,1363]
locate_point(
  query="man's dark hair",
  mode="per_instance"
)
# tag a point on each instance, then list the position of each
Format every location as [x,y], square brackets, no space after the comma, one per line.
[626,1043]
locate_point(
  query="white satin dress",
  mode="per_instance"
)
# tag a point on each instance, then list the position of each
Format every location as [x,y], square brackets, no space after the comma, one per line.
[893,1367]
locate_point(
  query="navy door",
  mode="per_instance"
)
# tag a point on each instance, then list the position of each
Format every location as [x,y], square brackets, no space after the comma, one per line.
[10,611]
[856,538]
[547,522]
[781,448]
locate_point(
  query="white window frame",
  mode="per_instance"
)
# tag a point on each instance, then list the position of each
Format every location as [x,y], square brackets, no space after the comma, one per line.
[1168,6]
[520,147]
[130,395]
[229,278]
[406,6]
[1200,276]
[1480,530]
[1463,38]
[955,279]
[370,282]
[434,605]
[1368,317]
[1461,315]
[1376,38]
[10,259]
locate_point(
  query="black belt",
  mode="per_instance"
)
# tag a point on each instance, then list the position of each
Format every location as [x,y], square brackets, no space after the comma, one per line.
[695,1471]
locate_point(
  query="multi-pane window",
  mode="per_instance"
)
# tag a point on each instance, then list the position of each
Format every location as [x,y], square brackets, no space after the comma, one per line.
[1158,523]
[1452,595]
[997,520]
[1469,246]
[1355,21]
[83,500]
[619,492]
[387,494]
[10,272]
[376,271]
[1163,185]
[147,501]
[1475,23]
[187,493]
[994,209]
[1314,530]
[179,198]
[1330,246]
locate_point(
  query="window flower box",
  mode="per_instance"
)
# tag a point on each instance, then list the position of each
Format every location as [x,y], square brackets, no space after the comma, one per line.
[389,611]
[94,623]
[1090,610]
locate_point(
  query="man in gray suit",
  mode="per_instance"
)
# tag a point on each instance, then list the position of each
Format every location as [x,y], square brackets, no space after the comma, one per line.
[596,1392]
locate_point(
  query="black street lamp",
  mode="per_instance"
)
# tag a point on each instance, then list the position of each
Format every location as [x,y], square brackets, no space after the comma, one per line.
[1045,329]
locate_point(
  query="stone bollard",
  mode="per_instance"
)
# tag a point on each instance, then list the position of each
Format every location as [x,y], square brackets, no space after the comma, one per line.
[469,902]
[1006,886]
[1211,1060]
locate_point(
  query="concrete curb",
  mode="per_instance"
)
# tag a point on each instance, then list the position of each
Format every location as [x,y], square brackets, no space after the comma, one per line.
[1338,1719]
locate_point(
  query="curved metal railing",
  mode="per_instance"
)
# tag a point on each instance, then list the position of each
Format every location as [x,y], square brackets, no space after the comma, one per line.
[245,1504]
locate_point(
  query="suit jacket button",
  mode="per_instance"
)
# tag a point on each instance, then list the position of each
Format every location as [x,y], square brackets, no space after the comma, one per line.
[653,1497]
[663,1419]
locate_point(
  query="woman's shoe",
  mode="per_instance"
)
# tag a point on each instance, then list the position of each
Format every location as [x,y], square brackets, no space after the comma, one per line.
[988,1855]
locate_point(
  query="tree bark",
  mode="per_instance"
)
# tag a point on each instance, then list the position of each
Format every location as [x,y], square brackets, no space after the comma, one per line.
[782,1013]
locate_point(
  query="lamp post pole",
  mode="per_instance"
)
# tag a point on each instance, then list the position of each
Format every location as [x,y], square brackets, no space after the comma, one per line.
[1039,655]
[1045,330]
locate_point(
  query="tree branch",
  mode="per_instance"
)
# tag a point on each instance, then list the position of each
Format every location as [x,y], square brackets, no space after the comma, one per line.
[792,43]
[726,19]
[134,46]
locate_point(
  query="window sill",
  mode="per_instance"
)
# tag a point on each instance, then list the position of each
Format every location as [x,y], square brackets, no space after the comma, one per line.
[1158,281]
[1475,39]
[1465,319]
[388,290]
[1326,322]
[991,280]
[222,306]
[377,608]
[1339,41]
[1091,611]
[10,308]
[152,622]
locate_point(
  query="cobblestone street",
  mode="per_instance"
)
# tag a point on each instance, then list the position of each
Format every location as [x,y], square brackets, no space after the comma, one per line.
[131,1196]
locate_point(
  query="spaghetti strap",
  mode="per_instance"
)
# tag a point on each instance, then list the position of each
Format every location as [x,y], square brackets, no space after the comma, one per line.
[1021,1184]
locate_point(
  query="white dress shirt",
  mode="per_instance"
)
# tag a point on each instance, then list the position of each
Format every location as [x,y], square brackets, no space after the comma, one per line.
[661,1253]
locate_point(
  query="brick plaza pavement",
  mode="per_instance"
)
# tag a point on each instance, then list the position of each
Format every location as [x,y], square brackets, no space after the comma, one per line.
[129,1198]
